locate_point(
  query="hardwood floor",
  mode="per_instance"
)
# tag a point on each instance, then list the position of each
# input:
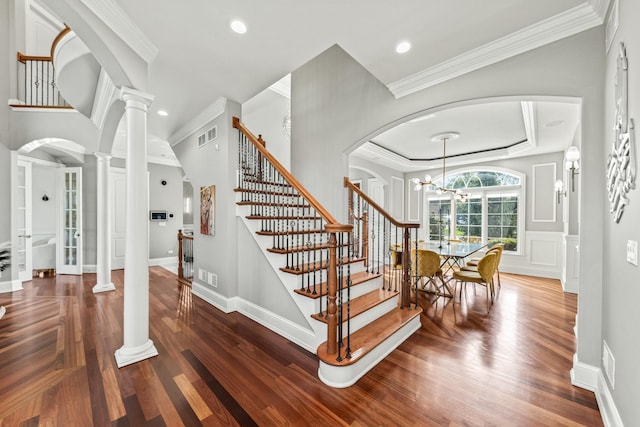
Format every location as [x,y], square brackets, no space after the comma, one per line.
[462,368]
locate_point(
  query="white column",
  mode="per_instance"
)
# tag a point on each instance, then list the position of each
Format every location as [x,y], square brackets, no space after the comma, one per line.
[103,261]
[137,345]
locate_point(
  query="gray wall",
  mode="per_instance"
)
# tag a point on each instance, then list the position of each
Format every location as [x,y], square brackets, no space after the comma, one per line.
[163,238]
[44,212]
[336,105]
[205,166]
[621,291]
[5,158]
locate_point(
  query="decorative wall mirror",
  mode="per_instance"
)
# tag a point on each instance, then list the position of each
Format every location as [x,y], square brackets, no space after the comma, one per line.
[620,170]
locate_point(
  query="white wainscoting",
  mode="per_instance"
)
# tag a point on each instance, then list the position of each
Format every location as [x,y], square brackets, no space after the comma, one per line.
[571,266]
[542,256]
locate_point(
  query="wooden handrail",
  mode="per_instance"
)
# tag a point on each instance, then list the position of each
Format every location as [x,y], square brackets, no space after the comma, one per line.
[349,184]
[286,174]
[24,58]
[59,37]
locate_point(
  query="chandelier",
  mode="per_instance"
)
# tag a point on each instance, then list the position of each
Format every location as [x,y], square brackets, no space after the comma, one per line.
[441,189]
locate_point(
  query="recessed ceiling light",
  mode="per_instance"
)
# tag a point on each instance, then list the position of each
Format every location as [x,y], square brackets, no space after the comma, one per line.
[162,113]
[238,26]
[403,47]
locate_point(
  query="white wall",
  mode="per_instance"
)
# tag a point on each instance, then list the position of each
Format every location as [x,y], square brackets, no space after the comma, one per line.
[263,114]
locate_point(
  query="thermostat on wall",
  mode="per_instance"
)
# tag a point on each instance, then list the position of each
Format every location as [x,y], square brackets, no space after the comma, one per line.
[158,215]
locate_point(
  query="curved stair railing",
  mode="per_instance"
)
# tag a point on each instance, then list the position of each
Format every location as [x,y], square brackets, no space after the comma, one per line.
[36,83]
[315,244]
[383,241]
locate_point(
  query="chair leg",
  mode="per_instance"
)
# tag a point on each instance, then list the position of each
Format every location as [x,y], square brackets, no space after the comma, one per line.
[499,284]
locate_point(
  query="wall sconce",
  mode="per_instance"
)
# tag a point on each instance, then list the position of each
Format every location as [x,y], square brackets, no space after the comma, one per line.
[572,164]
[559,185]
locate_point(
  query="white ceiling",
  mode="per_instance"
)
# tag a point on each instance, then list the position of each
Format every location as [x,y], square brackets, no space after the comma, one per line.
[488,130]
[201,61]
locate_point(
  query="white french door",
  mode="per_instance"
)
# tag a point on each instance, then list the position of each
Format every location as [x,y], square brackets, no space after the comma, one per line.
[23,223]
[69,250]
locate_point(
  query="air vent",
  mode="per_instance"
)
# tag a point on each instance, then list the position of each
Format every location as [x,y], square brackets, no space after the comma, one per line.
[202,139]
[212,133]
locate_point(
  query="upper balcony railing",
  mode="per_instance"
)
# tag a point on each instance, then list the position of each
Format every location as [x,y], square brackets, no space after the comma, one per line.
[36,81]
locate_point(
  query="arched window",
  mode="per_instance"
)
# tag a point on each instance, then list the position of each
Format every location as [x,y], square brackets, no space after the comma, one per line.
[492,213]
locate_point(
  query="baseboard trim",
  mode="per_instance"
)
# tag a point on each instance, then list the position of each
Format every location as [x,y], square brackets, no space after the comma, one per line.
[591,378]
[608,409]
[163,261]
[305,338]
[10,286]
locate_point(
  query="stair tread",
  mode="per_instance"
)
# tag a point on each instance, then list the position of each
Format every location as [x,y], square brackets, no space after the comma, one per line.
[281,217]
[301,248]
[361,304]
[370,336]
[356,279]
[284,233]
[319,265]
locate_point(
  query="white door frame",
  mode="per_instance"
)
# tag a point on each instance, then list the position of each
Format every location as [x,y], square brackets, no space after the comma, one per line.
[69,250]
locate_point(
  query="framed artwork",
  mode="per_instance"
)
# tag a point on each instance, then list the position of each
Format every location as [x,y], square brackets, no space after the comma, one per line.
[208,210]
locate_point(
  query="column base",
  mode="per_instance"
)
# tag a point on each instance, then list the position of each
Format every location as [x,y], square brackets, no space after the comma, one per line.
[128,356]
[104,288]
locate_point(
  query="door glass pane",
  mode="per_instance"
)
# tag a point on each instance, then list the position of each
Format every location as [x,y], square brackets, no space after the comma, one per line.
[70,218]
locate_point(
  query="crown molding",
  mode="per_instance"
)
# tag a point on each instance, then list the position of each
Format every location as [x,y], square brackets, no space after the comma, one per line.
[529,119]
[218,107]
[105,93]
[565,24]
[282,88]
[117,20]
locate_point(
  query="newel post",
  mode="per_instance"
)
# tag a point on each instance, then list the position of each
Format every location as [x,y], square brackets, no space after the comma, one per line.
[365,237]
[180,272]
[406,279]
[332,285]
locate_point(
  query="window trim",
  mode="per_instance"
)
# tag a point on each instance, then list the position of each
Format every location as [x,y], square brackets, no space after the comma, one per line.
[484,192]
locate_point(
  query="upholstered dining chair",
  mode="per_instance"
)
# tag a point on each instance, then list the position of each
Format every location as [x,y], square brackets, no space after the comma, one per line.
[396,262]
[425,264]
[484,276]
[472,264]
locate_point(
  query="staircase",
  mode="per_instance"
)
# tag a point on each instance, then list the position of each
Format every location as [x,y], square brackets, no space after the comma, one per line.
[359,307]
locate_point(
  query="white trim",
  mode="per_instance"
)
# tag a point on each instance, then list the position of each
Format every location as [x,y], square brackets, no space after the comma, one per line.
[529,119]
[89,268]
[214,110]
[41,162]
[10,286]
[305,338]
[591,378]
[562,25]
[110,13]
[395,182]
[163,261]
[550,191]
[105,94]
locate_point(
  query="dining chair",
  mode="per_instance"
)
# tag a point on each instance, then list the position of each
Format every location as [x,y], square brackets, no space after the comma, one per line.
[396,261]
[472,264]
[426,264]
[484,276]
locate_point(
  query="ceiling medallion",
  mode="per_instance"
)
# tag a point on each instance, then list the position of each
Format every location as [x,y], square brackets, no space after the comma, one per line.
[620,171]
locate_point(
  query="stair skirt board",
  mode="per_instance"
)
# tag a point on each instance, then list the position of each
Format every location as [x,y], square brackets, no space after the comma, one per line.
[347,375]
[301,336]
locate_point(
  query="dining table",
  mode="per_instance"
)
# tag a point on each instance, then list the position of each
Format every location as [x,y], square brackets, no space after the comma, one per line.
[452,253]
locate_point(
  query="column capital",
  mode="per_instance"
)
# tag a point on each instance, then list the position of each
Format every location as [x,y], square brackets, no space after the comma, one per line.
[132,97]
[102,156]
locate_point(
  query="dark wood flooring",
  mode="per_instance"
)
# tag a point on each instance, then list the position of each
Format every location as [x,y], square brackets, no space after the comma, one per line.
[462,368]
